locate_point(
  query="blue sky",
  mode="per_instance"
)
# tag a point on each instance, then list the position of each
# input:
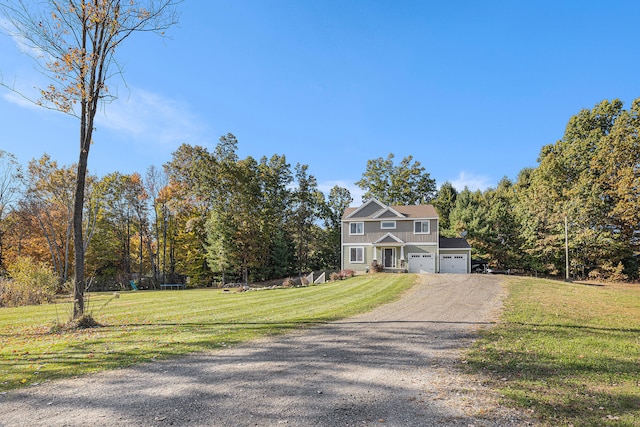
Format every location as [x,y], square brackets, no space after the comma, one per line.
[470,89]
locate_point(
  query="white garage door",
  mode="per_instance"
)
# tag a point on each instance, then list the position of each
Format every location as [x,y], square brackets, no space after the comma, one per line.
[454,263]
[422,263]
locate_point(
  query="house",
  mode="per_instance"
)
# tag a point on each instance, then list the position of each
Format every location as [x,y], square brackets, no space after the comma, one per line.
[400,238]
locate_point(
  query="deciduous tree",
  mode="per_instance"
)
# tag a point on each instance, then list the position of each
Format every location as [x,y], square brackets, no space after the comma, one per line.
[76,42]
[10,189]
[404,184]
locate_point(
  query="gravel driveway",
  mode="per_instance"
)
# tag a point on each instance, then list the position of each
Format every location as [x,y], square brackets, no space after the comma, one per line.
[393,366]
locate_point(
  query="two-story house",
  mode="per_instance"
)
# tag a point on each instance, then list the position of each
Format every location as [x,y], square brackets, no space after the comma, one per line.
[400,238]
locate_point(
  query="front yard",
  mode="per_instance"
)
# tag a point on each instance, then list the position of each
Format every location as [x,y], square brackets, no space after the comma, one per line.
[149,325]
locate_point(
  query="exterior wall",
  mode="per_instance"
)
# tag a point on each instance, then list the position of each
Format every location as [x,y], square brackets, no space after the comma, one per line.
[403,230]
[415,249]
[360,267]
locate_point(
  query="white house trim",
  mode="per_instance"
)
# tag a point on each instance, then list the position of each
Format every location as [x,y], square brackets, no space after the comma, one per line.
[388,209]
[380,240]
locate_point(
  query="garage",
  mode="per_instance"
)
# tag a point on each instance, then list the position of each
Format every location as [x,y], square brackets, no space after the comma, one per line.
[422,263]
[453,263]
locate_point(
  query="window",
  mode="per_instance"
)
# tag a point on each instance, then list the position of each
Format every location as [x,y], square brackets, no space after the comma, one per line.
[421,227]
[356,228]
[356,255]
[388,225]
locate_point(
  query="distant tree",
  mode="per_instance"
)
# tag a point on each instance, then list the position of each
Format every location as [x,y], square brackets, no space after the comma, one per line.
[155,182]
[305,210]
[404,184]
[444,203]
[274,177]
[49,200]
[75,43]
[616,166]
[503,235]
[470,218]
[10,189]
[329,243]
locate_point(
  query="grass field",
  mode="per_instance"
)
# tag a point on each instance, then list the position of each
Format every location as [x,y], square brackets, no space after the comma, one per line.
[570,353]
[148,325]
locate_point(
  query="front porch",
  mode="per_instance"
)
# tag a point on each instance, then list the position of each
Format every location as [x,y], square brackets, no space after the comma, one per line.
[390,258]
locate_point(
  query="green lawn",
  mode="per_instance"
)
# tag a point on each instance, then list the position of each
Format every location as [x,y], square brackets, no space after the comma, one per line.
[570,353]
[149,325]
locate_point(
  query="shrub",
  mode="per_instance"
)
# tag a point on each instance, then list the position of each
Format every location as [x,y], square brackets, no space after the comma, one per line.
[288,283]
[335,276]
[345,274]
[376,267]
[30,283]
[609,273]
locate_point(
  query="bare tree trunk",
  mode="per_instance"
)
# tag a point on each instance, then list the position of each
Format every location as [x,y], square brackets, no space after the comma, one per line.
[78,242]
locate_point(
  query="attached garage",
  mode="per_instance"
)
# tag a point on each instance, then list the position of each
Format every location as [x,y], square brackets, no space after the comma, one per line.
[453,263]
[422,263]
[454,256]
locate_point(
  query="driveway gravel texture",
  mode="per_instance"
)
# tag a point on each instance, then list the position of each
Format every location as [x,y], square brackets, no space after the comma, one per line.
[397,365]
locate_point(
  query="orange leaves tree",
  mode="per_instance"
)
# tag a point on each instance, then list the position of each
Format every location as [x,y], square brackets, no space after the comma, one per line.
[75,42]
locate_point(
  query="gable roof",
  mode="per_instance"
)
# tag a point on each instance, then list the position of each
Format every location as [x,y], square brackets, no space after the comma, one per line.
[454,243]
[408,212]
[365,207]
[389,238]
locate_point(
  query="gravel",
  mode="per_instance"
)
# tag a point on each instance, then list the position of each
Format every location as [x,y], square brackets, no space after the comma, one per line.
[396,365]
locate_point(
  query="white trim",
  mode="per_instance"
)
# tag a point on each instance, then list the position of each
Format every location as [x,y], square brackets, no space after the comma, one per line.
[393,257]
[388,209]
[353,223]
[387,228]
[422,244]
[421,222]
[380,242]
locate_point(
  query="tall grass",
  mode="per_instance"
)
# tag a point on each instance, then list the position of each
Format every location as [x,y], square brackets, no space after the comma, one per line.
[30,283]
[149,325]
[570,353]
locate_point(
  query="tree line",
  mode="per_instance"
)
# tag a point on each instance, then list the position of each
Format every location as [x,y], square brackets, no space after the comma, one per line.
[206,216]
[213,217]
[588,180]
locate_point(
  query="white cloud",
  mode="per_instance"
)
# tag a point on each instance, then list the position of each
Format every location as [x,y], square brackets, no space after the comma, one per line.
[471,181]
[20,101]
[152,118]
[356,192]
[22,43]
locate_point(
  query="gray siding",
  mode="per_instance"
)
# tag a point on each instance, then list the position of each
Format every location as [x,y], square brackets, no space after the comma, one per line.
[368,257]
[368,210]
[403,231]
[389,215]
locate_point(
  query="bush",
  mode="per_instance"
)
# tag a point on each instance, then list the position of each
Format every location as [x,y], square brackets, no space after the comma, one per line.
[335,276]
[607,272]
[288,283]
[30,283]
[347,273]
[376,267]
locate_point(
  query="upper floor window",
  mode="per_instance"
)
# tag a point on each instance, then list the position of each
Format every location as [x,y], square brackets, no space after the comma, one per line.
[388,225]
[356,228]
[421,227]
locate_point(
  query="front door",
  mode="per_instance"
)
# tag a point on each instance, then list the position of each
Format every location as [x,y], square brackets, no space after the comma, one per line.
[388,258]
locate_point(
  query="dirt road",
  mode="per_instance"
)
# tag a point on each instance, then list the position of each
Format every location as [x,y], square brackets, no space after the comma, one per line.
[393,366]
